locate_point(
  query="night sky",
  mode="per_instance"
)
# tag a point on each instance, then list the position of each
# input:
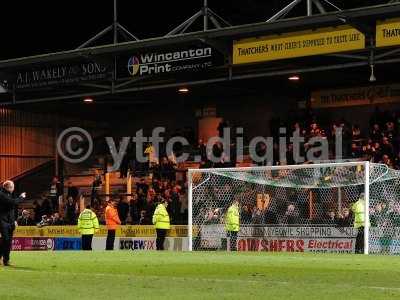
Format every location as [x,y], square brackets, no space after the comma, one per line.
[37,27]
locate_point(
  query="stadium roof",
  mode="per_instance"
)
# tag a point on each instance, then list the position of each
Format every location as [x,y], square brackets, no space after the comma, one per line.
[221,39]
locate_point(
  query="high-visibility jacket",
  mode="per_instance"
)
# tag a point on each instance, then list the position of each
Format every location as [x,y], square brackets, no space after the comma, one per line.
[358,209]
[112,217]
[88,222]
[232,218]
[161,217]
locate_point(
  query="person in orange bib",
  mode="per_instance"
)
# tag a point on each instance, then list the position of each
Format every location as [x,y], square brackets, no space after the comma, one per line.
[112,222]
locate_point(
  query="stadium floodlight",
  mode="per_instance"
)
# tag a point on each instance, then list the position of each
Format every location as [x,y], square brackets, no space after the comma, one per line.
[3,88]
[303,208]
[372,78]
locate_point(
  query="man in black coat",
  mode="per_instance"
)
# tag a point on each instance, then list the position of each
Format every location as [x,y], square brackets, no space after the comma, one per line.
[7,218]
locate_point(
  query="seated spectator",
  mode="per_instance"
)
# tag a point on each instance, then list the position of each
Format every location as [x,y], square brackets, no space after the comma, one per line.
[144,218]
[212,216]
[330,218]
[376,133]
[387,161]
[56,220]
[390,131]
[291,216]
[245,215]
[344,218]
[45,221]
[25,219]
[356,134]
[387,147]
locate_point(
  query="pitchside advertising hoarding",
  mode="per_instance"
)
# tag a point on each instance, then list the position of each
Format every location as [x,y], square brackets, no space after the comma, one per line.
[283,239]
[298,44]
[213,237]
[32,244]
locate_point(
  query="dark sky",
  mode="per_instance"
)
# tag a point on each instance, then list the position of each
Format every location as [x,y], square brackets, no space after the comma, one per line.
[37,27]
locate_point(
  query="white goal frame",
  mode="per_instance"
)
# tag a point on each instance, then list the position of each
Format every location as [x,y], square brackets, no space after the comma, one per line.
[365,164]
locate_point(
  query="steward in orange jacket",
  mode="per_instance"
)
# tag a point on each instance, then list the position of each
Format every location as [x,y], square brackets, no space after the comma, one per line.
[112,222]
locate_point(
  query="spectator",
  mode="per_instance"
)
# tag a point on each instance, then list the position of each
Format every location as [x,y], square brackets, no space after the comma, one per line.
[123,210]
[330,218]
[54,193]
[71,211]
[375,134]
[72,191]
[246,215]
[344,218]
[56,220]
[291,216]
[37,211]
[25,219]
[144,218]
[96,187]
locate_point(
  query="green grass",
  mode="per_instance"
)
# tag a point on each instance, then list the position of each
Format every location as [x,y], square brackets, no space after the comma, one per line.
[201,275]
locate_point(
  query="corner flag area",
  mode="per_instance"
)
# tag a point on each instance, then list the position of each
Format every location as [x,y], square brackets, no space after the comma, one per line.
[201,275]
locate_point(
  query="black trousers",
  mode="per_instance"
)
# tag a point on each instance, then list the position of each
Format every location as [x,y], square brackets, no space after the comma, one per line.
[6,231]
[54,203]
[110,239]
[87,241]
[360,241]
[232,235]
[161,233]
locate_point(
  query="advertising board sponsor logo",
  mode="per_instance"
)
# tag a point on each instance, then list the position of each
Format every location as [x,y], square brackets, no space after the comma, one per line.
[298,44]
[388,33]
[137,244]
[68,244]
[193,59]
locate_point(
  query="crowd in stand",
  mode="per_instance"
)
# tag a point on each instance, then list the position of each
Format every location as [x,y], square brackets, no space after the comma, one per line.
[135,209]
[156,179]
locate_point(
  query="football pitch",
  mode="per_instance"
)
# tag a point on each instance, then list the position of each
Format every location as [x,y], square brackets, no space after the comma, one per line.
[198,275]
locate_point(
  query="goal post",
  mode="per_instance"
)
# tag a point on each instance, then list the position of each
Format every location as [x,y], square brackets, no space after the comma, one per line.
[303,208]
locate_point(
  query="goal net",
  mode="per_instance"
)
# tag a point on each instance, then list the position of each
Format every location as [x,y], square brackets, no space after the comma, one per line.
[349,207]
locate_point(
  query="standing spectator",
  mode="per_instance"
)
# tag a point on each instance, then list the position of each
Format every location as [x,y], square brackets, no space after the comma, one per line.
[96,187]
[161,222]
[123,210]
[45,206]
[72,191]
[88,224]
[112,222]
[175,206]
[71,210]
[134,210]
[55,193]
[37,211]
